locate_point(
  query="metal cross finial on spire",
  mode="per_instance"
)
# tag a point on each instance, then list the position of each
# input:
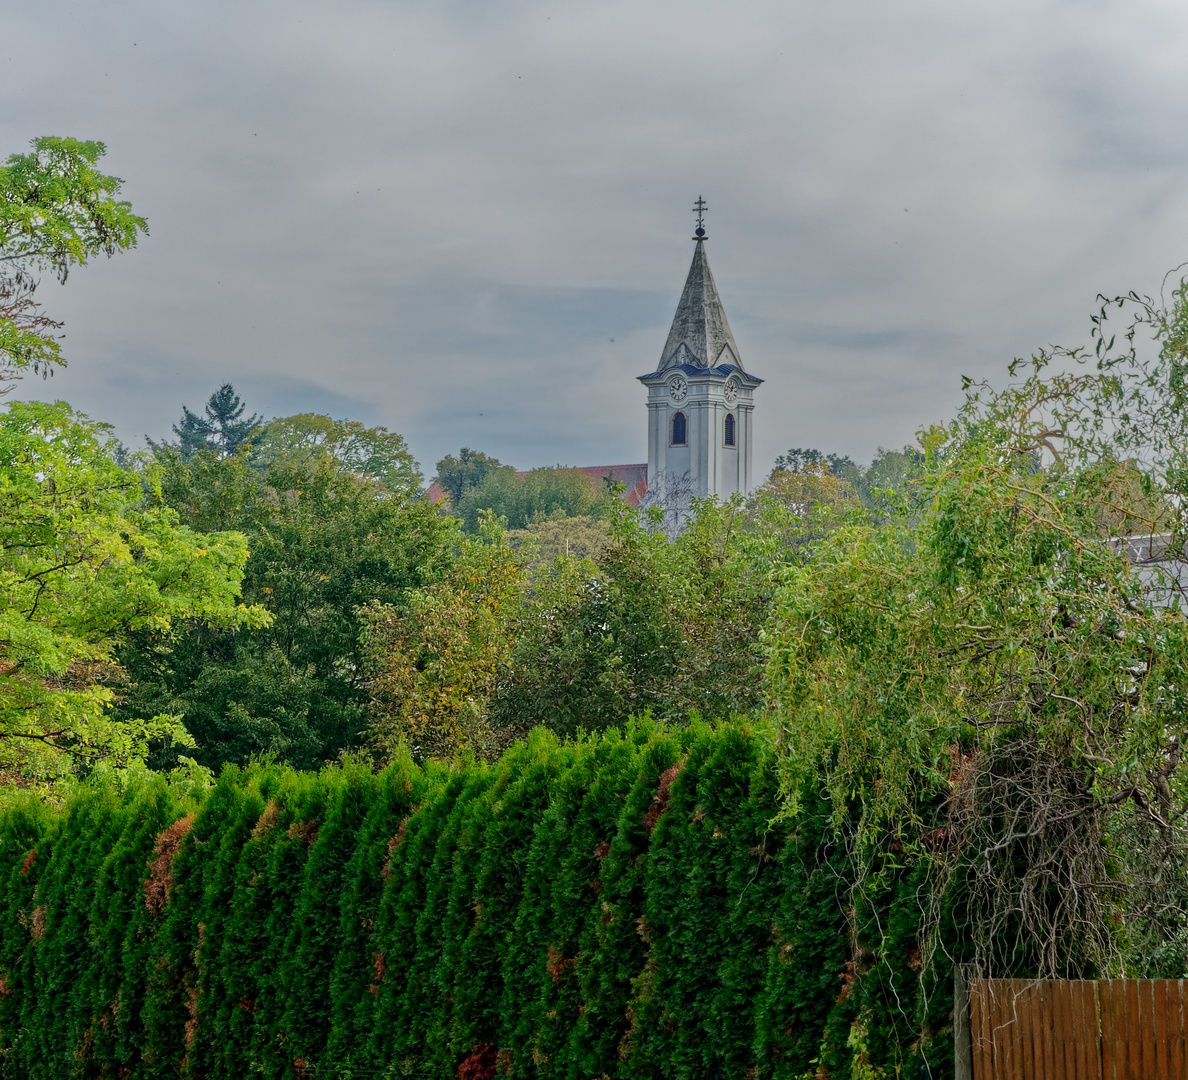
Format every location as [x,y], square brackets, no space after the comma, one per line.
[699,208]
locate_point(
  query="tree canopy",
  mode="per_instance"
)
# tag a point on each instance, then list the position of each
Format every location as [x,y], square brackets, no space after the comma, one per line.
[223,429]
[84,566]
[534,497]
[986,685]
[334,522]
[469,469]
[307,441]
[57,210]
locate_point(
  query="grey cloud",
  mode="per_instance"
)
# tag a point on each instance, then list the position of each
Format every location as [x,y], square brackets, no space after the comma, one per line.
[418,213]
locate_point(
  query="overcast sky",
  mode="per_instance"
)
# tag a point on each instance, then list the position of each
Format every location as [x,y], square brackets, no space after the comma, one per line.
[470,222]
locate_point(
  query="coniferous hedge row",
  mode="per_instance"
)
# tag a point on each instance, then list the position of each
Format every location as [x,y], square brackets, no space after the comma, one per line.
[621,907]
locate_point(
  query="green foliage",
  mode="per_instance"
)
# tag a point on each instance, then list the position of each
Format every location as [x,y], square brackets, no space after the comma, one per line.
[988,689]
[85,566]
[223,430]
[504,641]
[890,474]
[573,537]
[801,459]
[458,475]
[616,906]
[305,443]
[56,211]
[806,478]
[435,660]
[670,626]
[539,495]
[325,542]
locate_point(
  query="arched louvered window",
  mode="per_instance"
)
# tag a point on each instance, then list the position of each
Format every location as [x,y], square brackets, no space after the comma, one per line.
[729,431]
[678,429]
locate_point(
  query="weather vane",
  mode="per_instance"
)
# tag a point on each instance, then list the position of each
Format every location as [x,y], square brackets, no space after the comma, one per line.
[699,208]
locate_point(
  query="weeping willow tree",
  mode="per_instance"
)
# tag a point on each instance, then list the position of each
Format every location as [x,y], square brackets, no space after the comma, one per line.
[990,686]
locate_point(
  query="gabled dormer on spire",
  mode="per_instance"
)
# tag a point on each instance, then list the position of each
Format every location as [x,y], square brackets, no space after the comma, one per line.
[700,335]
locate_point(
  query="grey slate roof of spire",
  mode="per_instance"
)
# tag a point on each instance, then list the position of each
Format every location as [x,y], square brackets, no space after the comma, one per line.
[700,336]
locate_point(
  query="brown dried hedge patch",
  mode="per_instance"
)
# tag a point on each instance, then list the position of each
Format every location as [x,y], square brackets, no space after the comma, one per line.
[660,800]
[160,879]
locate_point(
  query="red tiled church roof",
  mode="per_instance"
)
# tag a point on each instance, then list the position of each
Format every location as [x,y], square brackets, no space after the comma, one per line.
[633,477]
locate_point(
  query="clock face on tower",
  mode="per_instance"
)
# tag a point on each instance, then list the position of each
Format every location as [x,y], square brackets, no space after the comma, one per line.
[730,391]
[678,389]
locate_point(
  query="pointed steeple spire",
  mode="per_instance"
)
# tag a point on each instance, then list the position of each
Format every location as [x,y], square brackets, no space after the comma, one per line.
[700,335]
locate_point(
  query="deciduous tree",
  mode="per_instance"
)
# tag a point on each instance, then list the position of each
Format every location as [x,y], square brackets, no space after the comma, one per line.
[84,564]
[326,539]
[458,474]
[57,210]
[437,659]
[987,687]
[304,442]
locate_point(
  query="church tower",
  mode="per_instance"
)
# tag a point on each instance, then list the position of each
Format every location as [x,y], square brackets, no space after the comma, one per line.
[700,398]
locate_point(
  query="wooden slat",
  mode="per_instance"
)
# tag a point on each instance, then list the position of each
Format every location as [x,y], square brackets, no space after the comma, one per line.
[988,1031]
[974,1034]
[1118,1029]
[1075,1032]
[1058,996]
[1019,1044]
[1027,1011]
[975,1029]
[1121,1031]
[983,1056]
[1109,1067]
[1146,997]
[997,1047]
[1093,1019]
[1031,999]
[1044,1043]
[1067,1061]
[1159,1015]
[1019,1036]
[1133,1031]
[1089,1051]
[1004,1057]
[1177,1022]
[1093,1025]
[1056,992]
[1175,1029]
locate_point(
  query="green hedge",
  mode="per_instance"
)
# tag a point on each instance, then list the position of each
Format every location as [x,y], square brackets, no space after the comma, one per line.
[619,907]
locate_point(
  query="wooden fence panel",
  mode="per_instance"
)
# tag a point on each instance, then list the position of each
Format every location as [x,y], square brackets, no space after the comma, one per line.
[1111,1029]
[1114,1030]
[1057,995]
